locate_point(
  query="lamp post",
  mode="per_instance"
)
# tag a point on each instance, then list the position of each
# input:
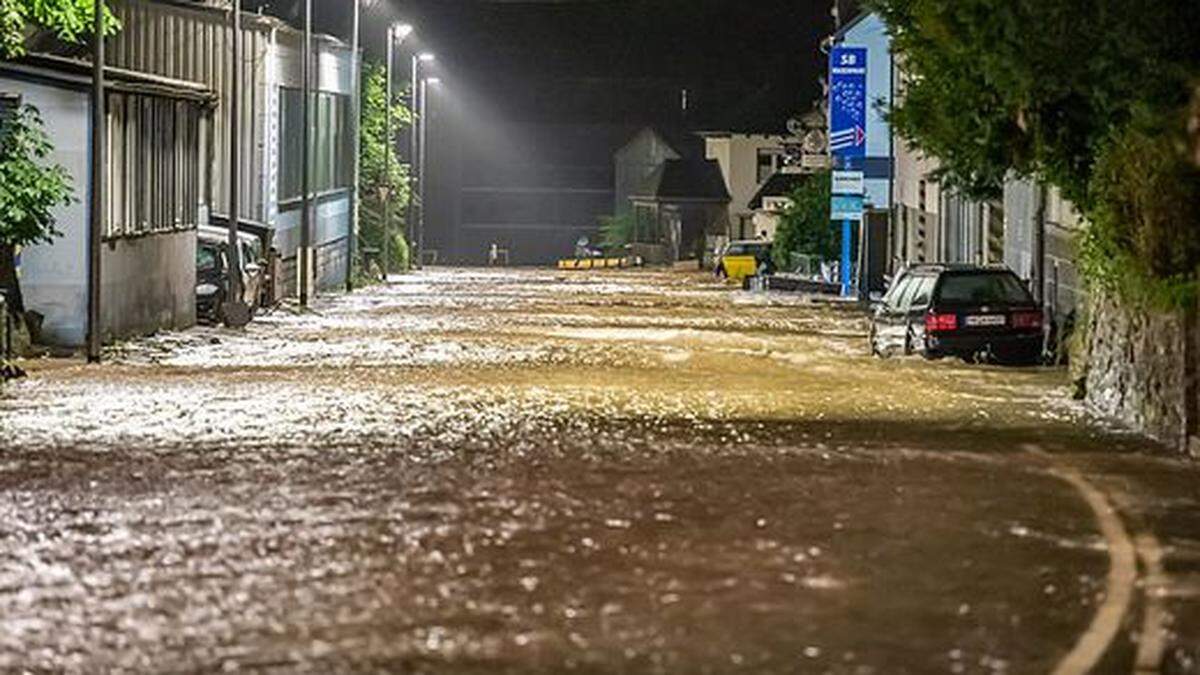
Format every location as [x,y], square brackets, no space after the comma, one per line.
[98,184]
[356,98]
[422,154]
[303,264]
[237,312]
[395,36]
[415,151]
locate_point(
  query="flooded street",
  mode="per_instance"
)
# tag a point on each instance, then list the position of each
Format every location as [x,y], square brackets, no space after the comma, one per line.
[475,471]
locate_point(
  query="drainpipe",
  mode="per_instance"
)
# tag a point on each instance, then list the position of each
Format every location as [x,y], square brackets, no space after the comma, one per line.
[98,184]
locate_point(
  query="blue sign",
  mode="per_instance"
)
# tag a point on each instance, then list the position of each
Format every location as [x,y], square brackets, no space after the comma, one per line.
[846,207]
[848,102]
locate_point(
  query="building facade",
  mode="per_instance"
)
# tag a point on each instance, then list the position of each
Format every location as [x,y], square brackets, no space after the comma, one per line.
[192,41]
[159,132]
[747,162]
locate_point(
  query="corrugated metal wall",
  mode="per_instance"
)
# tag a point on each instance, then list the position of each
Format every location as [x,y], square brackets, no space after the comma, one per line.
[193,43]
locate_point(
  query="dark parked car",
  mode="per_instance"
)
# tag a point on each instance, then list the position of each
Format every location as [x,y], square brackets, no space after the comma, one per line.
[969,311]
[212,278]
[212,282]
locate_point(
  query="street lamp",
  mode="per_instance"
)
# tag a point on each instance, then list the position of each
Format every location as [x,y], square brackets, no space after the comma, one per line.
[395,36]
[423,153]
[415,149]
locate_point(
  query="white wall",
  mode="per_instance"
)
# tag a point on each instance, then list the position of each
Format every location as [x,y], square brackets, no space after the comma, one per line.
[54,276]
[737,154]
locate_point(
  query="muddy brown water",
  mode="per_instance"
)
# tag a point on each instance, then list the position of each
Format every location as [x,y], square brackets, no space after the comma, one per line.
[519,471]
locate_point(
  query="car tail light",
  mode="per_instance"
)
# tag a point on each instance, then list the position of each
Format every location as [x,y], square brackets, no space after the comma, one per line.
[1027,320]
[940,323]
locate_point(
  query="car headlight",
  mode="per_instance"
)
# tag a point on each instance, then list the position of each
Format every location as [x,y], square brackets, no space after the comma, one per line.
[207,289]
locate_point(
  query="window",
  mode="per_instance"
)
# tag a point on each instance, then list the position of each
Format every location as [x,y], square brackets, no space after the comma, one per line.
[331,157]
[922,293]
[770,161]
[982,289]
[156,169]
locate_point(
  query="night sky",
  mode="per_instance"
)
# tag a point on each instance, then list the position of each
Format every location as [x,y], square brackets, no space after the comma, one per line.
[746,64]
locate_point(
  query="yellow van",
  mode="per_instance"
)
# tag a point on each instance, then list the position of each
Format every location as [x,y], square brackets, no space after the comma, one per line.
[741,259]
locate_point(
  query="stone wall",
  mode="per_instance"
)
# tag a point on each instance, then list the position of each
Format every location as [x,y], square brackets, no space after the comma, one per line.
[1137,369]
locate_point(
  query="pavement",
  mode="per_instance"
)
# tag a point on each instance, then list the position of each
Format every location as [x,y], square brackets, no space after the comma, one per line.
[472,471]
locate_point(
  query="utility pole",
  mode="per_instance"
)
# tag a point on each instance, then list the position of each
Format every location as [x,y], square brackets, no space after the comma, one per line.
[410,218]
[237,313]
[416,209]
[303,263]
[98,182]
[421,168]
[352,250]
[387,159]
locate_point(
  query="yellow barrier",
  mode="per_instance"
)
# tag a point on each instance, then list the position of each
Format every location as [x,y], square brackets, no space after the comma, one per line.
[598,263]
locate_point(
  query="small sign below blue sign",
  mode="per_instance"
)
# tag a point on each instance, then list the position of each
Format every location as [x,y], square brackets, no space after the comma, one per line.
[848,102]
[846,207]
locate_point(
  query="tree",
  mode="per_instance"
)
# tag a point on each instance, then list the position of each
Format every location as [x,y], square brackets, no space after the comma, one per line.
[616,231]
[377,174]
[1064,91]
[30,189]
[805,227]
[69,20]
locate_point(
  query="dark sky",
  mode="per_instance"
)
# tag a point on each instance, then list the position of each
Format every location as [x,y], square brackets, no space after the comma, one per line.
[746,63]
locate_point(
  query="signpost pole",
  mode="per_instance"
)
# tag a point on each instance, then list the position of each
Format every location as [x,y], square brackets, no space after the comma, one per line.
[844,268]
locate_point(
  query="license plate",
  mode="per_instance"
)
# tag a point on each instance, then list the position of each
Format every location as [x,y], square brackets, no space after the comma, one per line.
[987,320]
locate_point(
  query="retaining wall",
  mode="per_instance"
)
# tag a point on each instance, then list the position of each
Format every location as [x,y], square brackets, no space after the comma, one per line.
[1140,368]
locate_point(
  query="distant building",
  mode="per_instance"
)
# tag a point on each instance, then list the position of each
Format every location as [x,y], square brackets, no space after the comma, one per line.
[645,152]
[533,189]
[159,153]
[773,199]
[682,206]
[747,162]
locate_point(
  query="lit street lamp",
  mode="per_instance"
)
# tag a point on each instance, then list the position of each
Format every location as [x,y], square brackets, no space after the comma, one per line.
[422,154]
[415,146]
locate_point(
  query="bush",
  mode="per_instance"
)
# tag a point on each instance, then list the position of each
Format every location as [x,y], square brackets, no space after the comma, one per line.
[1141,241]
[805,227]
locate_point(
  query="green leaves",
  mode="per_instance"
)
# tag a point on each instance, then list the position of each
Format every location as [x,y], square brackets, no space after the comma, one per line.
[1050,89]
[30,189]
[380,173]
[69,20]
[805,227]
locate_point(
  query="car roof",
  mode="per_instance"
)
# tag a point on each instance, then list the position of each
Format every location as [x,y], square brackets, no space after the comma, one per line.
[937,268]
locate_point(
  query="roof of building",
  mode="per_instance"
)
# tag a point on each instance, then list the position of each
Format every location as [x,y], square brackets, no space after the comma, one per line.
[685,180]
[77,73]
[685,143]
[779,185]
[849,25]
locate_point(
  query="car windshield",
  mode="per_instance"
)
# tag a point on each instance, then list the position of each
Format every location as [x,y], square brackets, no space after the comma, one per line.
[206,258]
[982,289]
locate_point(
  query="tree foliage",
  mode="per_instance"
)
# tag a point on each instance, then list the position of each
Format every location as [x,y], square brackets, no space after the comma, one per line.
[805,227]
[30,186]
[1073,92]
[69,20]
[378,175]
[616,231]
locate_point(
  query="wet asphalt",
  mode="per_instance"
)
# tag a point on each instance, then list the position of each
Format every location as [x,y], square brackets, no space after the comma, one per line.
[473,471]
